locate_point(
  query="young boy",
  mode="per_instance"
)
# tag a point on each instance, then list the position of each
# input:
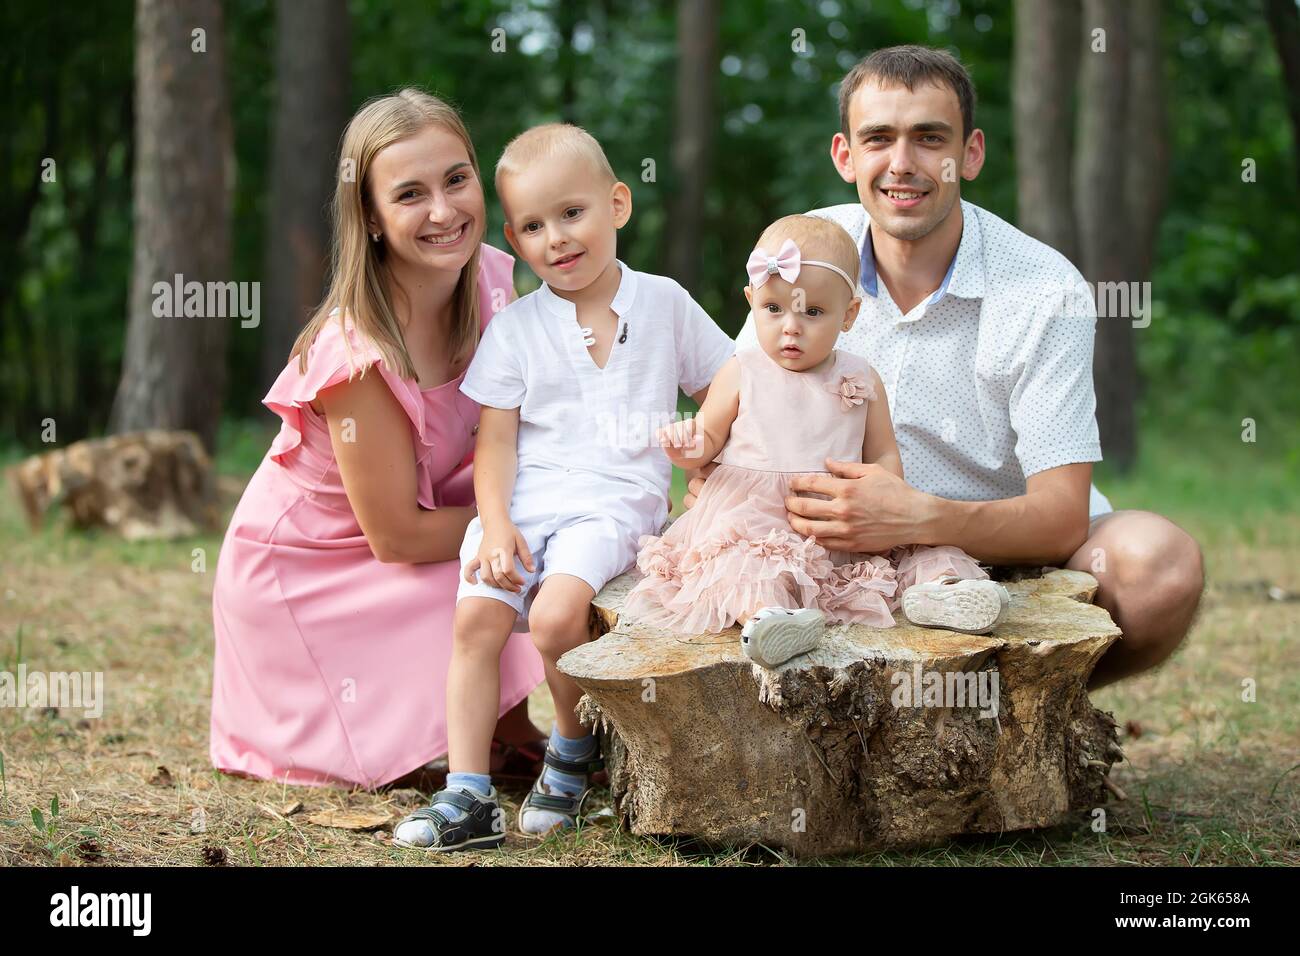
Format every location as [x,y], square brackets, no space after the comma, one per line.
[573,379]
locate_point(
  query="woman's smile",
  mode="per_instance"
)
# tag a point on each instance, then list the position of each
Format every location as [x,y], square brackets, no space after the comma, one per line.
[450,238]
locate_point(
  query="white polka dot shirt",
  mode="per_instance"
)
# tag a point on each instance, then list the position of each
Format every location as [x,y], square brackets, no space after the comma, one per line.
[990,378]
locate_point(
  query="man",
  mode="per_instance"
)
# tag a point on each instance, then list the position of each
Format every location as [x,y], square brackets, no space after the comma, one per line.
[983,337]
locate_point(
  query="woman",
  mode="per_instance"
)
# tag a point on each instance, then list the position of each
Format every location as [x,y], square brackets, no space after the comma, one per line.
[336,583]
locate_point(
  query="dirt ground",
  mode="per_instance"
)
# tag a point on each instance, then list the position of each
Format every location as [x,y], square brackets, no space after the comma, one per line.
[1211,779]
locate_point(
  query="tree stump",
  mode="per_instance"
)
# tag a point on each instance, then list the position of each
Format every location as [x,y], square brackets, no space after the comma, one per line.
[826,754]
[141,485]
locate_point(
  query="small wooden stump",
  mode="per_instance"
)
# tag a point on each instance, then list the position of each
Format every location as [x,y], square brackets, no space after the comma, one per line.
[141,485]
[824,755]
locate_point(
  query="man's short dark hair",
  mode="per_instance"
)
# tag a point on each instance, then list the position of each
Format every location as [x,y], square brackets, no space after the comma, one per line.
[910,66]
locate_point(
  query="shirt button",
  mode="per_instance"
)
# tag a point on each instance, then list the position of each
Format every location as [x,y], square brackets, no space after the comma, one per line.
[474,430]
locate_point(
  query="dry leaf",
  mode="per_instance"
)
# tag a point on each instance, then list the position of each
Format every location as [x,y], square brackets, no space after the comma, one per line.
[347,819]
[163,778]
[289,809]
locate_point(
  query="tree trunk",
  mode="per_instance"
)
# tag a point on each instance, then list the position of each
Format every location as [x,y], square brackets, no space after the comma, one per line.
[1148,136]
[1043,83]
[174,367]
[142,485]
[311,108]
[1101,168]
[1284,22]
[697,71]
[823,756]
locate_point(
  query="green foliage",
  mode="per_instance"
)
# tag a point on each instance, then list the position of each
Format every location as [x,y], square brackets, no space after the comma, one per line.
[1226,289]
[46,830]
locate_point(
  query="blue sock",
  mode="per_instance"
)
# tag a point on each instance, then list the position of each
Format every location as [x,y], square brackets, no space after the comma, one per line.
[481,782]
[576,749]
[420,832]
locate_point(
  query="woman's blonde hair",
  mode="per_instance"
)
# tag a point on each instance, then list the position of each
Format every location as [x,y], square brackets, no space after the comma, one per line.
[357,288]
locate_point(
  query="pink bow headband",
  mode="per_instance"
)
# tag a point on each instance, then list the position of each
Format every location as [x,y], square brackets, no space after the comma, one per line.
[786,263]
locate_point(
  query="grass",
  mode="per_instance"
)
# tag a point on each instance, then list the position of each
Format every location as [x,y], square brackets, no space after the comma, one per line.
[1212,779]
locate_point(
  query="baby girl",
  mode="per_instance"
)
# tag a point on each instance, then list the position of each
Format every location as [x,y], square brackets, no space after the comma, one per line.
[773,413]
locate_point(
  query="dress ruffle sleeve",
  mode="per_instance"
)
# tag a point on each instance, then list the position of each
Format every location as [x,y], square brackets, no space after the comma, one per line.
[333,358]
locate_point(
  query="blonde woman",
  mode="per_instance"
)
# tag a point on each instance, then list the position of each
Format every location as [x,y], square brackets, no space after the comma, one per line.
[336,584]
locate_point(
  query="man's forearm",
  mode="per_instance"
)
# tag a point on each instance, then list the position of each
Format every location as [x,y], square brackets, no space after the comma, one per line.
[1028,529]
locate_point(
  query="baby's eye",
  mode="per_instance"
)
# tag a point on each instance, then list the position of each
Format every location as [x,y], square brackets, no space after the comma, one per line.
[575,210]
[772,307]
[814,312]
[529,226]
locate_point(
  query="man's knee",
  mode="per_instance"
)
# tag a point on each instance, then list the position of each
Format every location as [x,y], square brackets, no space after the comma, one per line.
[1156,557]
[1152,576]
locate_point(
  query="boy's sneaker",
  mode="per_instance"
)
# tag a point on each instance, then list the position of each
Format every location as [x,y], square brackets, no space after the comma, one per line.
[971,607]
[775,634]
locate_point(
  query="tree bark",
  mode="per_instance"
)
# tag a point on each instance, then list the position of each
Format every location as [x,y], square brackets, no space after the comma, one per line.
[697,71]
[142,485]
[820,756]
[1043,83]
[1101,167]
[174,368]
[311,108]
[1148,136]
[1284,22]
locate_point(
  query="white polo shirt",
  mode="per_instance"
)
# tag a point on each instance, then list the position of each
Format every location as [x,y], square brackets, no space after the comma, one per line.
[990,378]
[579,418]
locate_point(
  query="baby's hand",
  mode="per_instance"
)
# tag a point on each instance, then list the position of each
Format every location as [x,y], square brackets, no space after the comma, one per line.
[681,441]
[496,559]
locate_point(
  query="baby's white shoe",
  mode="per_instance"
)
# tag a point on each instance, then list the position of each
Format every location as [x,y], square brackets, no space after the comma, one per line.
[775,634]
[972,607]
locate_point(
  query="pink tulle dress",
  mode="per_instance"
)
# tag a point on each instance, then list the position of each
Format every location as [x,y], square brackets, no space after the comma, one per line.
[735,552]
[331,666]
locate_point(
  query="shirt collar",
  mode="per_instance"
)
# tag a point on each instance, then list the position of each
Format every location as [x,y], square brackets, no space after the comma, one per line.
[622,302]
[965,275]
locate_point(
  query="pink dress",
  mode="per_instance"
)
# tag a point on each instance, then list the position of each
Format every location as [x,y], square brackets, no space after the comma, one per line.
[330,666]
[734,551]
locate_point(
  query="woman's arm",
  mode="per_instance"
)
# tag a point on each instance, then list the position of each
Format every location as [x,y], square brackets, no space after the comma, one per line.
[880,446]
[372,444]
[692,442]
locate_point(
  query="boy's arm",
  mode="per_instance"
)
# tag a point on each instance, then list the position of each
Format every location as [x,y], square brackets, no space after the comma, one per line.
[496,459]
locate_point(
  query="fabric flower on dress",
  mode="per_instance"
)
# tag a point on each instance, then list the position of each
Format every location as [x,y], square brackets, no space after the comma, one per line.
[852,389]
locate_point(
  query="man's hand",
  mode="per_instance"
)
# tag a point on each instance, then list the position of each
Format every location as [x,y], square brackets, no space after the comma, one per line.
[871,509]
[695,483]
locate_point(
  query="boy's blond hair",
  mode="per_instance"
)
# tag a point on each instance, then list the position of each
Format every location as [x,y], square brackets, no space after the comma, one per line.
[554,141]
[816,238]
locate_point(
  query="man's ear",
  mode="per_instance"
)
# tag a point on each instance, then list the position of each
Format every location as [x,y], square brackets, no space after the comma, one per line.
[510,238]
[851,314]
[620,204]
[842,157]
[972,158]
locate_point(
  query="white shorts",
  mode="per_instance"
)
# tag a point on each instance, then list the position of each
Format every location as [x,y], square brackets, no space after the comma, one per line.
[571,527]
[1098,504]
